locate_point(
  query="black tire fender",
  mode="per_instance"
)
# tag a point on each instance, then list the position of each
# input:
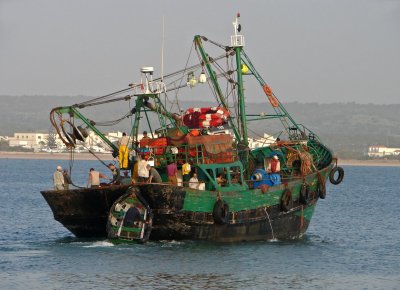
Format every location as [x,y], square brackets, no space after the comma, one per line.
[220,212]
[339,179]
[321,190]
[286,200]
[304,193]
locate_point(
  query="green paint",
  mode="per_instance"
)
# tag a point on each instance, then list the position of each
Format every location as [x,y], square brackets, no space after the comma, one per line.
[126,229]
[247,199]
[203,201]
[307,212]
[72,111]
[240,91]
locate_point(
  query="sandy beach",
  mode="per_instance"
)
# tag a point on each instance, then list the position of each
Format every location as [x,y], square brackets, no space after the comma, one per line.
[88,156]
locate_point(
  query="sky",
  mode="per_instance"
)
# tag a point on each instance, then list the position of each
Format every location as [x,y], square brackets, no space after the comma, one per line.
[307,51]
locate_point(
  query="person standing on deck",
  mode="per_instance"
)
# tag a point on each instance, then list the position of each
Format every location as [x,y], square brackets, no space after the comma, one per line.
[145,135]
[154,176]
[221,180]
[186,168]
[94,178]
[123,151]
[67,179]
[172,172]
[135,170]
[58,179]
[274,168]
[115,173]
[143,172]
[194,182]
[274,165]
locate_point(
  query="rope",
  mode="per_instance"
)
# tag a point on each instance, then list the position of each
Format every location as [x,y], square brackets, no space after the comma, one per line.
[102,97]
[71,164]
[270,224]
[114,122]
[306,163]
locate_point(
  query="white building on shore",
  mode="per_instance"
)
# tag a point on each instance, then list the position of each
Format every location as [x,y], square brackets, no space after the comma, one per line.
[31,140]
[38,142]
[266,140]
[378,151]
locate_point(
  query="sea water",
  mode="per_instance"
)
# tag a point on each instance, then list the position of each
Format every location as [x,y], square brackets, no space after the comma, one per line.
[353,242]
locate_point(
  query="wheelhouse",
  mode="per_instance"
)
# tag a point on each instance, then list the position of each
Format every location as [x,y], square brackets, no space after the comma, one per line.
[232,174]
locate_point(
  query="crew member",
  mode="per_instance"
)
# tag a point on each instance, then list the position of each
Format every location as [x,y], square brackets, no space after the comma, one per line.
[145,135]
[186,168]
[274,167]
[123,151]
[172,172]
[154,176]
[94,178]
[143,172]
[115,173]
[67,179]
[221,180]
[58,179]
[194,182]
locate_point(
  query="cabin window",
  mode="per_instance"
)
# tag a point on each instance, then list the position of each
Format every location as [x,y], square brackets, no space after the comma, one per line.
[204,178]
[235,175]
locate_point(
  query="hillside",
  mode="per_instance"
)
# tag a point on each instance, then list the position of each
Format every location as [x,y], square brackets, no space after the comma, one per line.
[347,128]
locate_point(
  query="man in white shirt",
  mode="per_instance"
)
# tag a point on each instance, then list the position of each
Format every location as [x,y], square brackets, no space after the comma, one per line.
[58,179]
[194,182]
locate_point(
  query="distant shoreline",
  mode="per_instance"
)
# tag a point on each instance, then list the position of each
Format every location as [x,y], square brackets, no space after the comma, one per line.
[102,156]
[354,162]
[52,156]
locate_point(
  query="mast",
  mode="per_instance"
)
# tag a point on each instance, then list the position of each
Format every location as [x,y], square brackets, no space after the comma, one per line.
[206,62]
[237,43]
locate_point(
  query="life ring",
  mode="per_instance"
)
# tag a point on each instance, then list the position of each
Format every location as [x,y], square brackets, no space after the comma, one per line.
[286,200]
[205,117]
[304,194]
[267,90]
[220,212]
[340,176]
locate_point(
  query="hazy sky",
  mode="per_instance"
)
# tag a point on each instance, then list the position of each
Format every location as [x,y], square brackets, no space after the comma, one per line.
[308,51]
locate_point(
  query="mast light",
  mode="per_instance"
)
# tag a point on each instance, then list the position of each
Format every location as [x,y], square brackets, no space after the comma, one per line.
[202,78]
[237,40]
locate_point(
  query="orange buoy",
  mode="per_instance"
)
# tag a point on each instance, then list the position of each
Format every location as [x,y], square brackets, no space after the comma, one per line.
[194,133]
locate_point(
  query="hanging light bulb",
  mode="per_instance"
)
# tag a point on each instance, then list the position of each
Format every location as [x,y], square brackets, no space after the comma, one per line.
[191,80]
[202,78]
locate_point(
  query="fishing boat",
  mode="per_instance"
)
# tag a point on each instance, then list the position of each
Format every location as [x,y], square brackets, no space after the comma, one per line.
[229,191]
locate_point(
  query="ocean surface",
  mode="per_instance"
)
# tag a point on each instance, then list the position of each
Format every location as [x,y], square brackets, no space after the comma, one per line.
[353,242]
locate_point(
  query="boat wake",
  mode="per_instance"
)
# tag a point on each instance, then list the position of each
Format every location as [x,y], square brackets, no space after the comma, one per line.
[169,244]
[99,244]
